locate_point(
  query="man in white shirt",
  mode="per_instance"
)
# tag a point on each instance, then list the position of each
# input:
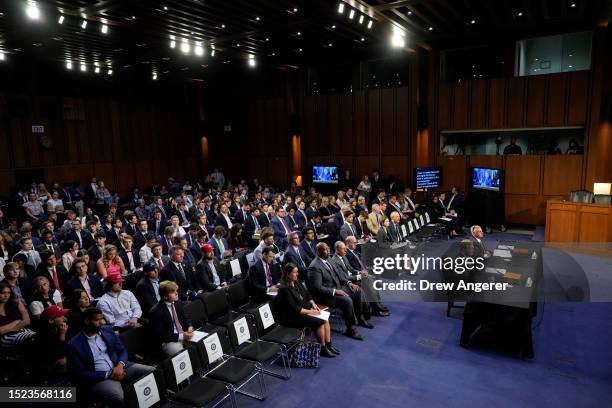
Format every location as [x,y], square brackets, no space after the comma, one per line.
[120,307]
[27,248]
[480,249]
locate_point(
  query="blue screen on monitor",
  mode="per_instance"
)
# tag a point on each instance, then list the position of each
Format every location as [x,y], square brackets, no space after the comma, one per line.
[427,177]
[486,179]
[325,174]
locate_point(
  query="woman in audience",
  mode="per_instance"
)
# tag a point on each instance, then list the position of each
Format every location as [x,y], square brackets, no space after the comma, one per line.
[365,188]
[78,301]
[5,245]
[234,238]
[324,210]
[333,206]
[108,222]
[383,233]
[110,263]
[14,322]
[43,194]
[89,216]
[55,204]
[103,195]
[72,253]
[91,266]
[296,308]
[43,297]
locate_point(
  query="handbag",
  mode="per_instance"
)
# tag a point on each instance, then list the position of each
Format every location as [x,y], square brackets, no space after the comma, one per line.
[306,354]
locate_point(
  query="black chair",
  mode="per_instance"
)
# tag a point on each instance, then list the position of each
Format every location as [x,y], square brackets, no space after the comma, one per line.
[581,196]
[234,371]
[218,309]
[139,347]
[154,379]
[602,199]
[186,386]
[239,297]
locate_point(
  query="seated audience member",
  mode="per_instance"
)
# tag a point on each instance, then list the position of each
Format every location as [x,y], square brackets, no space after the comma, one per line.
[110,264]
[188,259]
[145,253]
[266,239]
[43,297]
[98,361]
[513,148]
[296,308]
[264,218]
[82,279]
[166,239]
[48,243]
[223,218]
[77,302]
[574,148]
[32,255]
[77,234]
[159,258]
[409,207]
[480,249]
[329,288]
[147,288]
[261,278]
[177,229]
[15,334]
[56,274]
[21,287]
[208,271]
[72,250]
[242,213]
[34,209]
[308,246]
[219,243]
[348,227]
[281,228]
[183,275]
[129,255]
[234,239]
[51,345]
[158,224]
[454,225]
[169,324]
[196,247]
[362,232]
[25,270]
[294,255]
[120,307]
[384,233]
[140,238]
[96,251]
[395,228]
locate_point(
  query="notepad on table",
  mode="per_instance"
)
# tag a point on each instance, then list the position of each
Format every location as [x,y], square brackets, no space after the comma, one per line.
[324,315]
[502,253]
[198,335]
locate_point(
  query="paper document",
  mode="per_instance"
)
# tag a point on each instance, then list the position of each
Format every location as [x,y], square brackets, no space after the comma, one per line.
[509,247]
[502,253]
[198,335]
[495,270]
[444,218]
[235,264]
[269,293]
[323,316]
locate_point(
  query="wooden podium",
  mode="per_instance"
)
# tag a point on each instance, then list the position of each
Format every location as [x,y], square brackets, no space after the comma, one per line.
[578,222]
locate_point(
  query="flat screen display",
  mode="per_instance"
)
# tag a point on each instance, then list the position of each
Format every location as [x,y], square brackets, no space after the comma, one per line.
[484,178]
[427,177]
[325,174]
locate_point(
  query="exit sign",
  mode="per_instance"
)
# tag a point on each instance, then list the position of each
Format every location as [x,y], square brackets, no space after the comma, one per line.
[38,129]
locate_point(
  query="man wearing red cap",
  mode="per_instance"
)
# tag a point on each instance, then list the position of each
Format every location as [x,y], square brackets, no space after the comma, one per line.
[120,307]
[208,270]
[51,341]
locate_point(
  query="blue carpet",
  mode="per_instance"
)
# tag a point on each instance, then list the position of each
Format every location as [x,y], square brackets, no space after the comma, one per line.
[538,234]
[413,359]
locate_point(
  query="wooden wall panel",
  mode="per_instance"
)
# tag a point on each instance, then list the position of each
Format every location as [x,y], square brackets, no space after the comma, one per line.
[522,175]
[387,122]
[461,111]
[562,174]
[485,161]
[333,124]
[398,166]
[578,98]
[4,151]
[364,165]
[7,181]
[556,100]
[496,103]
[345,162]
[478,104]
[403,121]
[524,209]
[346,123]
[454,171]
[445,104]
[359,123]
[516,103]
[142,168]
[374,120]
[536,97]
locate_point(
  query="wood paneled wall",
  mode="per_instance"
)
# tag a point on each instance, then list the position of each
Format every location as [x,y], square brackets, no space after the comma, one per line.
[122,142]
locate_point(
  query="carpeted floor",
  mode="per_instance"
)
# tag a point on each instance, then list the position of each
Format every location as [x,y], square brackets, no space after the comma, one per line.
[413,359]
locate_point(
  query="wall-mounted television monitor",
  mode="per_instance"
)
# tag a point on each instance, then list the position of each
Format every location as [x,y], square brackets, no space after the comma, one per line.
[484,178]
[325,174]
[427,177]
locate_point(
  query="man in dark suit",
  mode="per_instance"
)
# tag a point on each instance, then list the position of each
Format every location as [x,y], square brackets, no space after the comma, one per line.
[361,226]
[294,255]
[263,276]
[301,218]
[242,213]
[131,225]
[223,218]
[312,209]
[183,275]
[183,214]
[348,228]
[83,280]
[147,288]
[329,288]
[48,243]
[98,361]
[480,249]
[308,246]
[208,270]
[54,272]
[166,239]
[281,228]
[219,243]
[169,324]
[129,255]
[251,225]
[264,219]
[157,224]
[140,238]
[76,234]
[95,251]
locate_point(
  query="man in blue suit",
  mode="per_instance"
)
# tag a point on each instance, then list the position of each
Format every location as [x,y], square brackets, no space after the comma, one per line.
[219,243]
[295,255]
[98,361]
[281,228]
[308,245]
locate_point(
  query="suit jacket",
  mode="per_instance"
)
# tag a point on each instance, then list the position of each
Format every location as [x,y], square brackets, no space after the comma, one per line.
[131,230]
[215,245]
[395,232]
[479,248]
[323,281]
[126,262]
[384,235]
[72,235]
[157,231]
[257,280]
[112,237]
[298,258]
[391,208]
[354,259]
[26,285]
[289,303]
[162,324]
[95,285]
[185,284]
[360,229]
[338,219]
[372,224]
[308,251]
[184,218]
[347,230]
[94,253]
[343,265]
[80,358]
[139,239]
[279,229]
[318,228]
[145,293]
[62,276]
[456,203]
[204,275]
[56,249]
[220,220]
[263,220]
[239,216]
[310,211]
[163,241]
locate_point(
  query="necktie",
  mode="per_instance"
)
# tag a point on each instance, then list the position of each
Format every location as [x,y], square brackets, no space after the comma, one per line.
[160,264]
[180,267]
[80,240]
[378,219]
[256,223]
[297,251]
[177,324]
[284,225]
[449,203]
[50,247]
[268,274]
[221,246]
[55,280]
[351,228]
[359,259]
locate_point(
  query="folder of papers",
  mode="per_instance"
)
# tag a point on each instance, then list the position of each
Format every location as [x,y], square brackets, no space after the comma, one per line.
[502,253]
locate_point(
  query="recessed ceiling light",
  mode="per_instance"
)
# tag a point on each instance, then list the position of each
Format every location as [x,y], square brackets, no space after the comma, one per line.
[430,29]
[370,24]
[1,56]
[83,68]
[362,39]
[409,13]
[68,65]
[198,50]
[185,47]
[32,10]
[133,17]
[60,20]
[352,14]
[97,70]
[237,44]
[573,5]
[333,27]
[84,24]
[172,44]
[257,18]
[222,25]
[104,29]
[300,50]
[519,14]
[110,72]
[473,22]
[570,55]
[212,53]
[340,8]
[361,17]
[299,33]
[166,8]
[154,76]
[295,9]
[330,45]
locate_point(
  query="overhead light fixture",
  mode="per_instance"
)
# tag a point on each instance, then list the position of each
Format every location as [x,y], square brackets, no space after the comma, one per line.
[257,18]
[199,50]
[397,38]
[1,55]
[430,29]
[97,70]
[83,67]
[352,14]
[519,14]
[473,22]
[165,8]
[212,53]
[252,61]
[333,27]
[172,44]
[573,5]
[370,23]
[60,20]
[330,45]
[340,8]
[299,33]
[222,25]
[84,24]
[409,13]
[32,10]
[362,39]
[185,47]
[154,76]
[361,19]
[109,72]
[104,29]
[295,9]
[267,39]
[68,64]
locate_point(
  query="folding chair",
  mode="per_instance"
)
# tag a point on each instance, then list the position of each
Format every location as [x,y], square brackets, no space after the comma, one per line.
[187,387]
[146,392]
[138,345]
[196,312]
[239,297]
[218,309]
